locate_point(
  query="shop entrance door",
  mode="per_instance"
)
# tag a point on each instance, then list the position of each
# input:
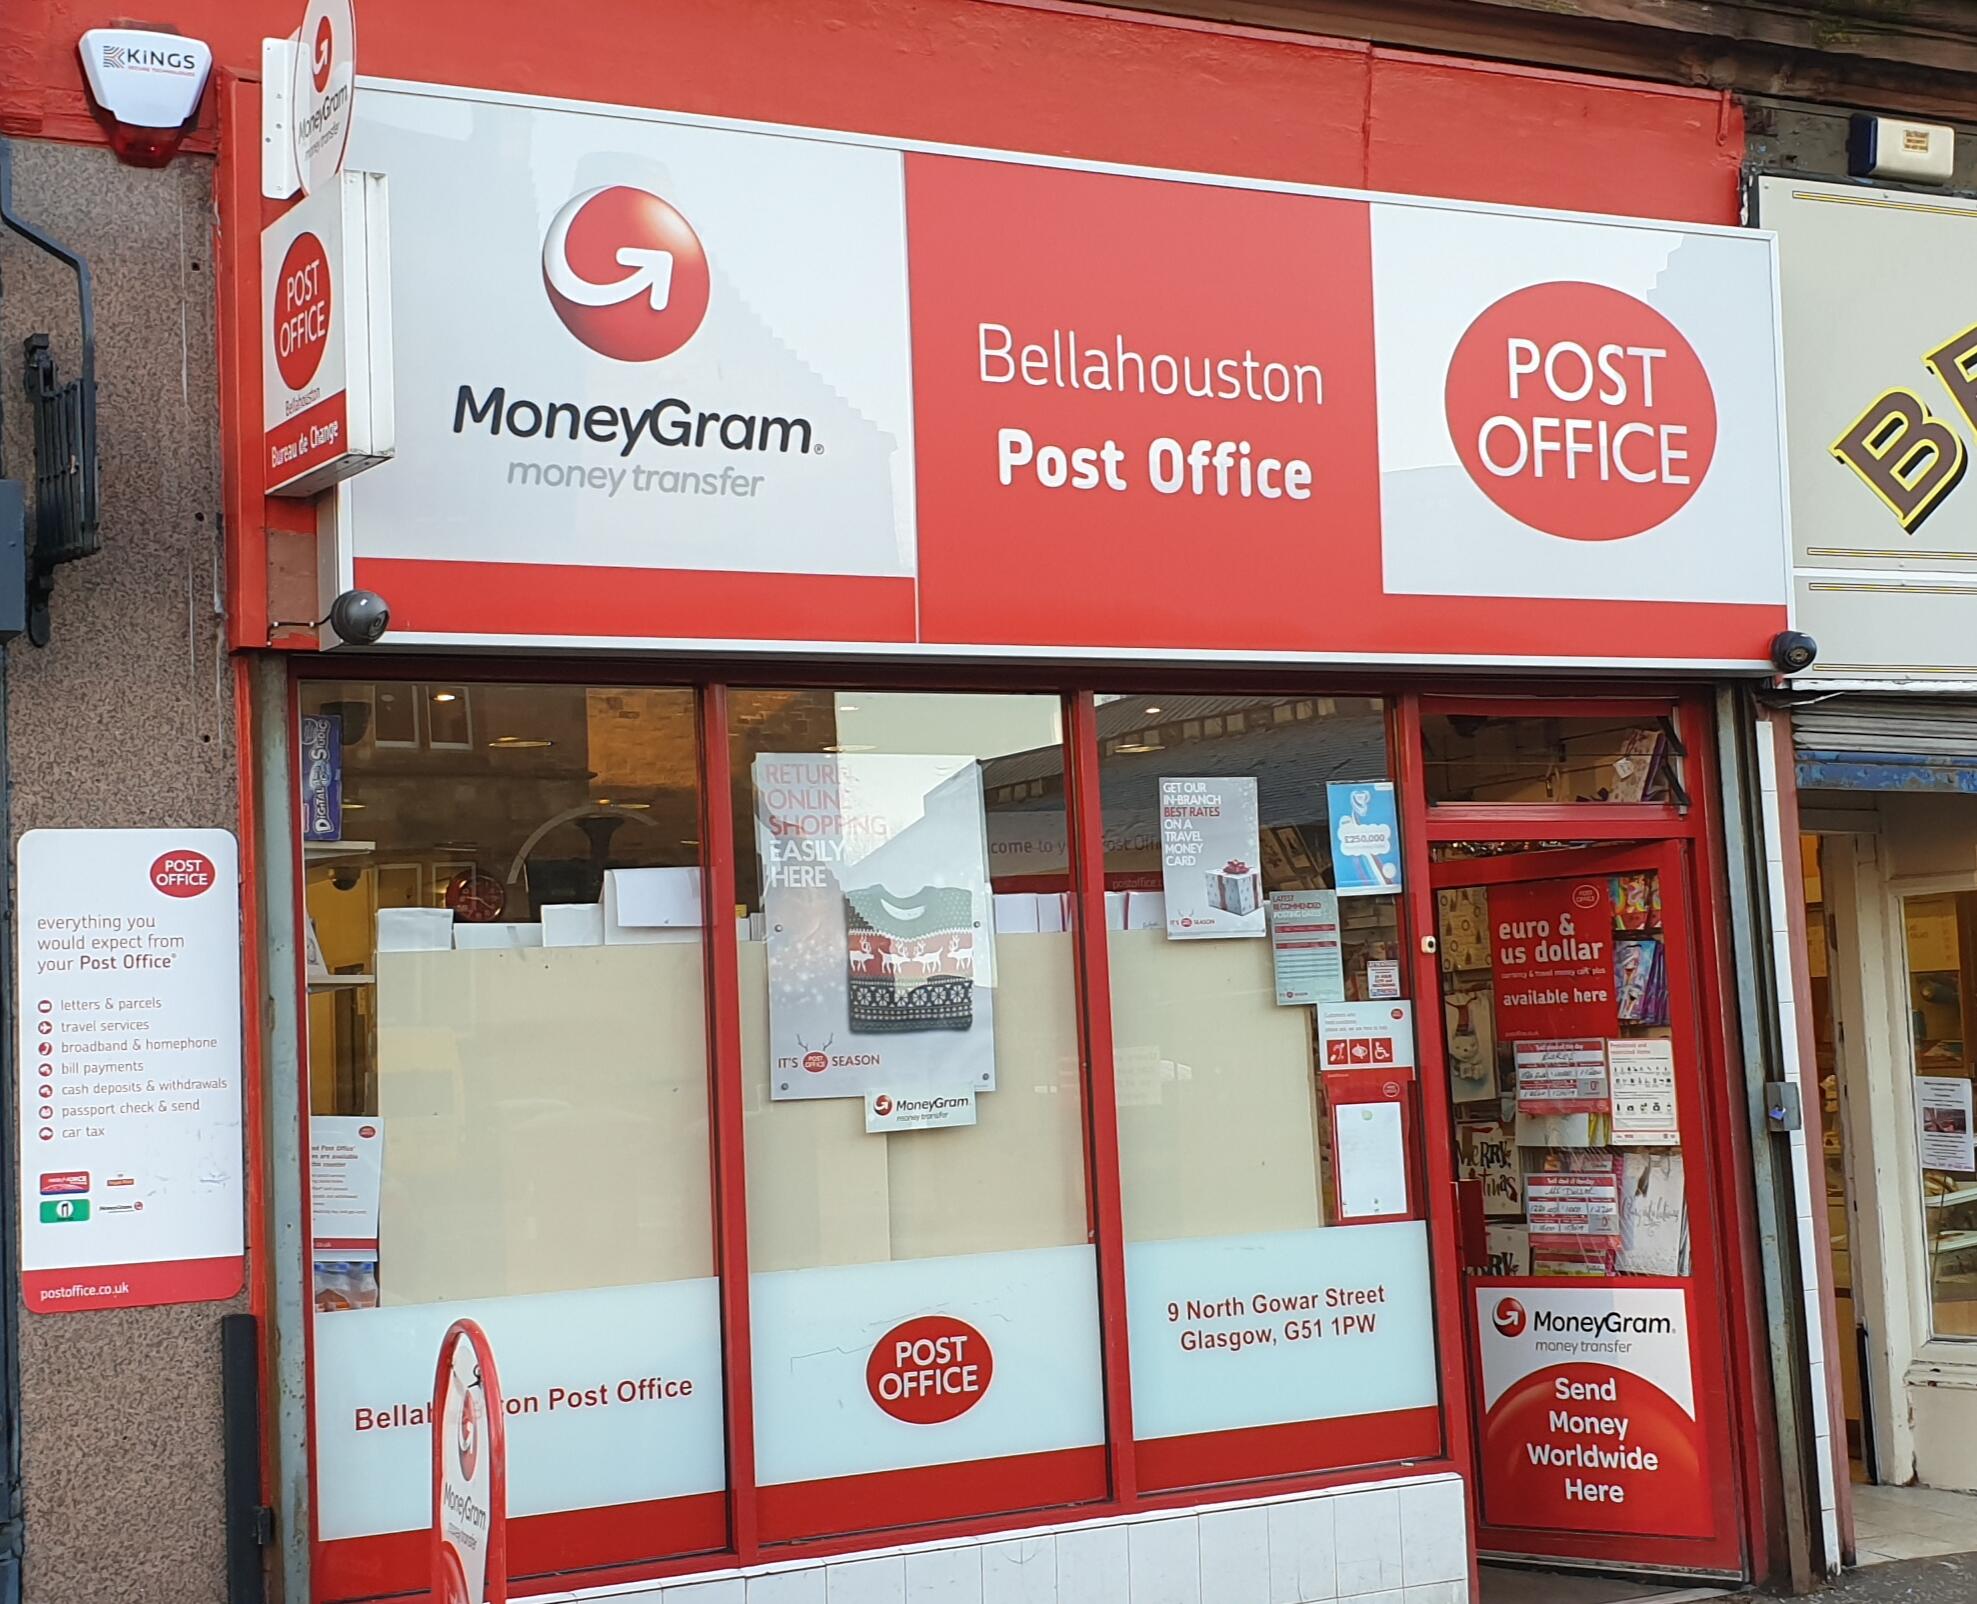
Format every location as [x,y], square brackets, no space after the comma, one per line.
[1592,1280]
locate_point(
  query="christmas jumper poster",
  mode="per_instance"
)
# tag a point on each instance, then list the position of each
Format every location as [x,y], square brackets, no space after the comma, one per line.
[877,915]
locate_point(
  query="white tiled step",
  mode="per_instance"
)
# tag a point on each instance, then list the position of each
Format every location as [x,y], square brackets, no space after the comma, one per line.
[1402,1542]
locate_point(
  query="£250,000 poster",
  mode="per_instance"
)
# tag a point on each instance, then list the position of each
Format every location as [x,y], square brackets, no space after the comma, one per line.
[879,924]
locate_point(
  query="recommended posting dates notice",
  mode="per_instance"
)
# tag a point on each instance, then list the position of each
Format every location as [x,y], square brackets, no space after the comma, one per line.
[1263,1319]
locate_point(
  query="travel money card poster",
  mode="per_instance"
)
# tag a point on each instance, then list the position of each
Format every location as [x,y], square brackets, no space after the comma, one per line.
[1210,857]
[879,924]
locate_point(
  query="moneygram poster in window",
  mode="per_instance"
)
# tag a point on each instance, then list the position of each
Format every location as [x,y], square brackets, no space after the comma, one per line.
[878,924]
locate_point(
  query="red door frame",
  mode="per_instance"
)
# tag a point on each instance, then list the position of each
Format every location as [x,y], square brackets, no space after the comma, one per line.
[372,1566]
[1727,1155]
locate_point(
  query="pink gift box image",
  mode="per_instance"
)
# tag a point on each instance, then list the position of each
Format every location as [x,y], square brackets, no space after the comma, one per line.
[1235,888]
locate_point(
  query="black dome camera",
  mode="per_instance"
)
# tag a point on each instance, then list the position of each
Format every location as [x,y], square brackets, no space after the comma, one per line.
[1792,652]
[359,617]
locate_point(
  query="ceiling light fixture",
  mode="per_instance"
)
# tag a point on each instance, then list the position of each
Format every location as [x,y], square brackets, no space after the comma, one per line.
[516,743]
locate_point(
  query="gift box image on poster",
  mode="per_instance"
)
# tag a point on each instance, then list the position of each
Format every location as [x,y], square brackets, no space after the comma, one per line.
[1209,854]
[878,924]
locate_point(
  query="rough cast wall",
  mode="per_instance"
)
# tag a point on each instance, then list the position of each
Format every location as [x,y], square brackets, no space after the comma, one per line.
[125,720]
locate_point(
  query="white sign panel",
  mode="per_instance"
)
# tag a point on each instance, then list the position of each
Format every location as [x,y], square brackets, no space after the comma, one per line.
[1879,353]
[880,924]
[326,338]
[563,375]
[1367,1035]
[613,1396]
[885,1113]
[130,1127]
[873,1367]
[1238,1331]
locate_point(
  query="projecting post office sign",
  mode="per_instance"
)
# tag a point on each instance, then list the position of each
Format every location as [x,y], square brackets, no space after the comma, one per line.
[326,363]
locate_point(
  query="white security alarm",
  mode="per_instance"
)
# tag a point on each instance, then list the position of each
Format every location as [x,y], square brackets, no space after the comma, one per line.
[149,83]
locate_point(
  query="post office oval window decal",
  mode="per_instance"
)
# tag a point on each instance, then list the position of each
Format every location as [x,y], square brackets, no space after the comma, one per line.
[1581,411]
[929,1370]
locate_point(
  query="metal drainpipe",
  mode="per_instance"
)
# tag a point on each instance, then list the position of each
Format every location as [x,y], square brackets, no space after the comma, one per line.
[1771,1171]
[282,1049]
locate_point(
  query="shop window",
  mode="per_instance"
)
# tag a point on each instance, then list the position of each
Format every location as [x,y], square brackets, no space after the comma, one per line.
[1471,758]
[1940,932]
[1276,1274]
[508,1094]
[923,1288]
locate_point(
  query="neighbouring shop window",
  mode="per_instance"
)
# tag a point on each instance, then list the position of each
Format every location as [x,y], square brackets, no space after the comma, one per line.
[1470,758]
[923,1289]
[1940,942]
[509,1106]
[1276,1267]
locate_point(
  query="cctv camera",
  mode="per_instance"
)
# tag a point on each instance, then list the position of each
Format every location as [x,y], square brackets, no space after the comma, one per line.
[359,617]
[1793,652]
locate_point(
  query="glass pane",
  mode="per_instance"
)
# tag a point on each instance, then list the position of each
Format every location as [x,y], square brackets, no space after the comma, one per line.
[1941,938]
[917,1217]
[1475,759]
[1838,1161]
[508,1098]
[1562,1069]
[1256,1245]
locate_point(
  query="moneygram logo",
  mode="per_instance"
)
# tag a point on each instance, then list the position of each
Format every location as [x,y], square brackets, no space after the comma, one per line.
[1509,1317]
[1610,1323]
[882,1105]
[626,273]
[467,1442]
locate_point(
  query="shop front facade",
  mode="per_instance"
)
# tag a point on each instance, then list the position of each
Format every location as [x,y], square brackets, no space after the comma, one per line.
[1881,746]
[1028,897]
[1053,885]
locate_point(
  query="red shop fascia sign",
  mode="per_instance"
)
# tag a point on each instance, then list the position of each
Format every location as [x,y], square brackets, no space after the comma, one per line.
[732,386]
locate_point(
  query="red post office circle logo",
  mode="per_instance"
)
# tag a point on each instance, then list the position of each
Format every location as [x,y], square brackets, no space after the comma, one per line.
[1585,897]
[626,273]
[815,1063]
[1509,1318]
[183,874]
[1581,411]
[302,311]
[929,1370]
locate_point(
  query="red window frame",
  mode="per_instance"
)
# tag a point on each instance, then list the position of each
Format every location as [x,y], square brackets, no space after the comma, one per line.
[727,1529]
